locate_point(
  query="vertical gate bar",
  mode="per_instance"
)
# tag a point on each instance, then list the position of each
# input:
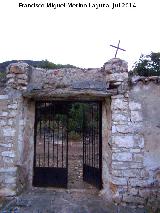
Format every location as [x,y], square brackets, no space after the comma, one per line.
[44,134]
[57,141]
[100,142]
[40,122]
[62,139]
[92,135]
[53,118]
[97,138]
[87,139]
[49,132]
[98,131]
[94,114]
[83,134]
[35,134]
[94,148]
[67,130]
[39,161]
[89,136]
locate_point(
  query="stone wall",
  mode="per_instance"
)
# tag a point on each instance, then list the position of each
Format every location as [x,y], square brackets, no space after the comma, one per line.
[130,126]
[145,111]
[10,118]
[136,145]
[13,120]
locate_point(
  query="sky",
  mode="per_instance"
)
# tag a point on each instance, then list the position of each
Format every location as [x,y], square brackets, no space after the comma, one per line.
[78,36]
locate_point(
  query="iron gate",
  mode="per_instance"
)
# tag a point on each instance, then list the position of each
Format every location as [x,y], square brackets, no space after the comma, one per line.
[92,144]
[51,144]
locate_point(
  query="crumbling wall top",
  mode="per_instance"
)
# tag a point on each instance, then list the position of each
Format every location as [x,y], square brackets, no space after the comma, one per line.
[43,83]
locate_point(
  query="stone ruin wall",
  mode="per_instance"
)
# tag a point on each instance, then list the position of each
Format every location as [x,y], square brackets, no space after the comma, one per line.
[131,122]
[136,145]
[16,140]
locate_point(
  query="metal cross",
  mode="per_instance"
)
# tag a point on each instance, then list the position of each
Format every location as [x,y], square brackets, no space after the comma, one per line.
[117,48]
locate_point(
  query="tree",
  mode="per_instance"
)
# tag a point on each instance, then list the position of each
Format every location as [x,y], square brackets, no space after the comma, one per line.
[148,65]
[49,65]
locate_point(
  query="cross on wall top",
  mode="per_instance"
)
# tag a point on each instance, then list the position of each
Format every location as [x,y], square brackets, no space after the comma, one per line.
[117,48]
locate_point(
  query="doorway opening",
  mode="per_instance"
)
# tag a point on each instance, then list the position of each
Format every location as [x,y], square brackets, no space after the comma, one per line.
[68,144]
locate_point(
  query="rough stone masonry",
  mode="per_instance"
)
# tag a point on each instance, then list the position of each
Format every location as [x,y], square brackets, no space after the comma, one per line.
[130,126]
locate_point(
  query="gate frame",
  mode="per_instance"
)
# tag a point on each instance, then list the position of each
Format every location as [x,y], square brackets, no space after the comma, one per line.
[26,168]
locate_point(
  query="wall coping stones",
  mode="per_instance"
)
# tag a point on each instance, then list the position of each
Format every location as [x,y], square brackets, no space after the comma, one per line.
[135,79]
[68,81]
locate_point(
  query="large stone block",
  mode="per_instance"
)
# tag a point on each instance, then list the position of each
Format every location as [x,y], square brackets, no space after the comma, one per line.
[8,145]
[3,122]
[144,192]
[8,161]
[137,182]
[117,97]
[5,192]
[139,141]
[128,198]
[3,97]
[138,157]
[115,65]
[11,75]
[117,77]
[18,68]
[119,104]
[124,156]
[90,84]
[11,81]
[10,154]
[9,169]
[12,113]
[10,180]
[22,82]
[8,131]
[12,106]
[134,105]
[22,76]
[133,191]
[127,165]
[10,122]
[136,116]
[126,141]
[135,150]
[119,117]
[3,114]
[119,180]
[3,105]
[131,127]
[130,173]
